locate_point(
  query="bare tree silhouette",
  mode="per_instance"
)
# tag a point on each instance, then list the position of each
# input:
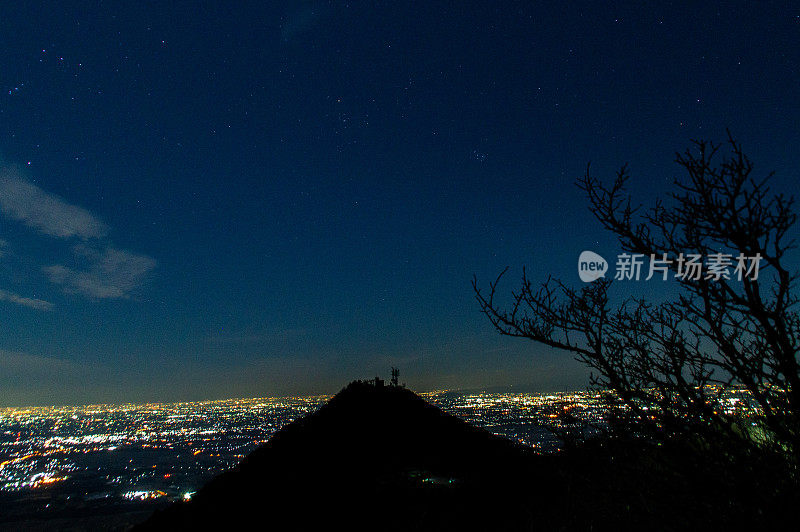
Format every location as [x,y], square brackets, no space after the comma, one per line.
[669,364]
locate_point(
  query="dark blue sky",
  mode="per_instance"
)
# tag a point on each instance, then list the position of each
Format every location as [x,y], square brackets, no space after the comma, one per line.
[243,199]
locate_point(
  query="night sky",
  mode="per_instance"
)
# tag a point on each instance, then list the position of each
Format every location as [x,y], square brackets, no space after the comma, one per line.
[260,199]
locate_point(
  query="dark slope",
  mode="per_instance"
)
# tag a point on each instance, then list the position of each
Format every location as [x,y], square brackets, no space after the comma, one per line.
[384,459]
[372,458]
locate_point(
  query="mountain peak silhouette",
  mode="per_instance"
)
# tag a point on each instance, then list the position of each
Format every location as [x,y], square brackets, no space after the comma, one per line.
[382,458]
[373,457]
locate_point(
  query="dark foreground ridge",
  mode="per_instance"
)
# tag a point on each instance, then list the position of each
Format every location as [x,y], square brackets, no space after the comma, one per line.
[382,458]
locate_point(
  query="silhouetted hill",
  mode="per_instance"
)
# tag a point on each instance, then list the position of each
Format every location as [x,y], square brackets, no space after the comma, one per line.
[371,458]
[382,458]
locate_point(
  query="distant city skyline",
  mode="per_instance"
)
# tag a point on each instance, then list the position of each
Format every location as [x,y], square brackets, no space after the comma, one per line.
[276,198]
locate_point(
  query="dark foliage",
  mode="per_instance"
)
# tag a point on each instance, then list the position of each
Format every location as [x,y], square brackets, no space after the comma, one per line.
[669,364]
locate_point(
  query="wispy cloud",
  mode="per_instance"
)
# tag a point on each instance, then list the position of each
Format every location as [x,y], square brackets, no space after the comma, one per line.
[25,202]
[101,271]
[272,336]
[28,379]
[5,295]
[301,19]
[19,362]
[112,273]
[37,304]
